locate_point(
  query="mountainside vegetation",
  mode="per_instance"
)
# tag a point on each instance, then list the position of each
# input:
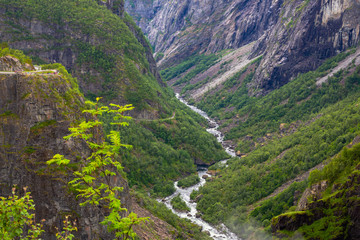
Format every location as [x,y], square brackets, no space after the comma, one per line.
[105,51]
[101,50]
[282,136]
[280,78]
[332,210]
[95,44]
[63,109]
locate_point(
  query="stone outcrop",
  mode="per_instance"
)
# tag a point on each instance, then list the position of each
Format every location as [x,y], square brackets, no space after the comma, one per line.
[116,6]
[35,114]
[12,64]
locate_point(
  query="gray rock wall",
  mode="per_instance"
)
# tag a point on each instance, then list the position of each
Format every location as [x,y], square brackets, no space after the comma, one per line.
[26,102]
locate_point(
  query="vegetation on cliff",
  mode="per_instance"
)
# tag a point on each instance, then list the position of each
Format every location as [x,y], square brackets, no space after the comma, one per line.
[332,212]
[94,178]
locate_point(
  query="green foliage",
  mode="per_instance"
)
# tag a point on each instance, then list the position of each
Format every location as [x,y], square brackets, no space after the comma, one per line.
[326,228]
[331,215]
[179,204]
[166,150]
[189,181]
[163,189]
[8,114]
[66,233]
[297,100]
[278,204]
[203,62]
[114,56]
[93,182]
[319,122]
[194,194]
[341,165]
[16,217]
[42,124]
[64,74]
[199,62]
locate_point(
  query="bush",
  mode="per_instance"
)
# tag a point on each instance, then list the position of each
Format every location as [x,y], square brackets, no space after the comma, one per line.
[189,181]
[178,204]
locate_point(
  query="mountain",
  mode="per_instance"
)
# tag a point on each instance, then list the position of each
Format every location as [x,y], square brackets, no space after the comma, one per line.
[293,36]
[111,61]
[331,204]
[37,110]
[281,78]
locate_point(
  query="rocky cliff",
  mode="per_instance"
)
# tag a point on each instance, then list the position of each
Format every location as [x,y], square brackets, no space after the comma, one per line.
[293,36]
[35,113]
[180,29]
[307,33]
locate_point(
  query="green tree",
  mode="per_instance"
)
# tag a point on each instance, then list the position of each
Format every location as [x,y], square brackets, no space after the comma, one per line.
[94,180]
[15,216]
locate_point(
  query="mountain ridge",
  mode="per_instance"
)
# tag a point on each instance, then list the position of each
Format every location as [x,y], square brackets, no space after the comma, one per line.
[293,36]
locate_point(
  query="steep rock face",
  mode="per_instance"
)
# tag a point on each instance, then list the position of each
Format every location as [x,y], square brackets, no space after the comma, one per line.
[181,28]
[307,33]
[293,36]
[35,114]
[118,8]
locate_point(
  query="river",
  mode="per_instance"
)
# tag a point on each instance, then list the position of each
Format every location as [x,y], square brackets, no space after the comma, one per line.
[222,232]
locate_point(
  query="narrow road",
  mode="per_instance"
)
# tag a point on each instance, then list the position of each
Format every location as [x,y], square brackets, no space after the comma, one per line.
[40,72]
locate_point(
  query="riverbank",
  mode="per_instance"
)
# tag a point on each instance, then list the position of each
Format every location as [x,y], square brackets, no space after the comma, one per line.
[217,233]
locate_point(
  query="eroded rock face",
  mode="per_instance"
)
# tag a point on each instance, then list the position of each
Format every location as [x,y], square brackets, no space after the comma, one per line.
[182,28]
[11,64]
[35,114]
[307,34]
[116,6]
[293,36]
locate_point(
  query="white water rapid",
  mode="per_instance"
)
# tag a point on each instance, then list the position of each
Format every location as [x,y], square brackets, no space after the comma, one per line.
[223,233]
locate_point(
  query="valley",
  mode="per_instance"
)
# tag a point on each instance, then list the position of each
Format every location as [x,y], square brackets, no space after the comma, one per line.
[197,120]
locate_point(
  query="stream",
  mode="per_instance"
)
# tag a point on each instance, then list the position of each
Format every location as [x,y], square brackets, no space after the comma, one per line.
[222,232]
